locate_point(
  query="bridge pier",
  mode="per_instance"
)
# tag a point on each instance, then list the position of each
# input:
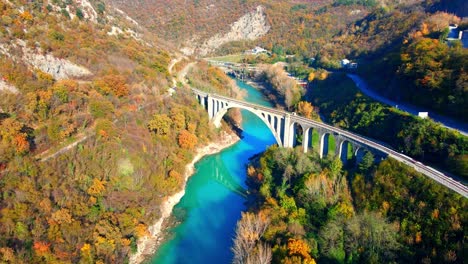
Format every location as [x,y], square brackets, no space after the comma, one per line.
[286,129]
[210,107]
[292,135]
[306,138]
[322,144]
[339,144]
[278,130]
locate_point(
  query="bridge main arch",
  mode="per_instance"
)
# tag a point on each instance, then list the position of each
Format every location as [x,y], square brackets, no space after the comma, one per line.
[271,121]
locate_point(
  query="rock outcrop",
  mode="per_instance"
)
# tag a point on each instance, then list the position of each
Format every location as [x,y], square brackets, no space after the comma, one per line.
[249,27]
[5,87]
[58,68]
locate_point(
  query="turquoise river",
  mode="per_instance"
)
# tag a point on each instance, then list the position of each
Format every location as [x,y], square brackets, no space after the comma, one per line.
[214,197]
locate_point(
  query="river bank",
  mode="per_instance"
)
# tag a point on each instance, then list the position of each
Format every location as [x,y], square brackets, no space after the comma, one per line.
[267,92]
[148,245]
[214,198]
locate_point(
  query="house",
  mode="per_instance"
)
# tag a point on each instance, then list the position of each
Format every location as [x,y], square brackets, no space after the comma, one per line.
[347,64]
[256,50]
[298,81]
[456,34]
[423,115]
[344,63]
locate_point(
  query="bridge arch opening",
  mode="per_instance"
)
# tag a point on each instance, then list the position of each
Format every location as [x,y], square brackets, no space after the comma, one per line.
[359,154]
[327,145]
[270,122]
[346,153]
[315,140]
[296,134]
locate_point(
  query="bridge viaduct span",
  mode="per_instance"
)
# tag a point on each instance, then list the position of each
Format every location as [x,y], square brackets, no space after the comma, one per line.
[283,126]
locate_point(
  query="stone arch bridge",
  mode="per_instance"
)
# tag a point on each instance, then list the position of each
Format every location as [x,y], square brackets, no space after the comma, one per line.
[286,126]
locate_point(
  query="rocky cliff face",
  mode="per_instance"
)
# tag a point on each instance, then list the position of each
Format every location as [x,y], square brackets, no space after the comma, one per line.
[249,27]
[58,68]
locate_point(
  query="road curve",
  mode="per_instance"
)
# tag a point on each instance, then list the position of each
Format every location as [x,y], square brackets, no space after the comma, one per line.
[418,166]
[414,110]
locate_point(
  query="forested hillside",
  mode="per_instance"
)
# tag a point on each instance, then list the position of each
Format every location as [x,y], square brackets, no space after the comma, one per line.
[385,37]
[419,67]
[91,143]
[180,21]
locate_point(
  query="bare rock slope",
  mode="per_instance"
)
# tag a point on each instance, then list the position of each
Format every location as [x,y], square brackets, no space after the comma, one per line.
[249,27]
[58,68]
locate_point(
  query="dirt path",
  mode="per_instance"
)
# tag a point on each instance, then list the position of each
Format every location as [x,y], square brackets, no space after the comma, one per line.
[171,66]
[181,76]
[63,150]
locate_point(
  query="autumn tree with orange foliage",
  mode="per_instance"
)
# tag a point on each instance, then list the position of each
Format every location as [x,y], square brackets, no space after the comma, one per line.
[300,248]
[12,139]
[113,84]
[307,110]
[41,248]
[97,188]
[187,140]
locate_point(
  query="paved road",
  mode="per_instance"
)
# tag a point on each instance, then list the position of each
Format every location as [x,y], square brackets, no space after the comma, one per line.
[445,121]
[418,166]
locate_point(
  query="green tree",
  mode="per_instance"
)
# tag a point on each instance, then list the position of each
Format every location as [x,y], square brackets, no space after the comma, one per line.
[101,8]
[101,108]
[366,162]
[79,13]
[369,237]
[335,167]
[160,124]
